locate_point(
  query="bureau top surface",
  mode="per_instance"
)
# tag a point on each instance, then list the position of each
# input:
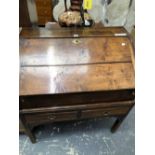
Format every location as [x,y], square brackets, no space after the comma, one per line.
[69,60]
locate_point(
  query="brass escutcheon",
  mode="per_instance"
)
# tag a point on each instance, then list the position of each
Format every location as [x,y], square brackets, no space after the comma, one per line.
[76,41]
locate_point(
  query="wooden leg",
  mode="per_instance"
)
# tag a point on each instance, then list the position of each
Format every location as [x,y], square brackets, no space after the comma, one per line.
[117,124]
[119,121]
[30,134]
[27,130]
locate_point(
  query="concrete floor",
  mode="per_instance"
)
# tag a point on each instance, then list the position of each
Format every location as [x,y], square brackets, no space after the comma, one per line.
[88,137]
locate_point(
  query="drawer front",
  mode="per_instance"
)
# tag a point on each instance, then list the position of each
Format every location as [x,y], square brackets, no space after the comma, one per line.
[47,117]
[50,117]
[39,101]
[44,11]
[117,111]
[43,3]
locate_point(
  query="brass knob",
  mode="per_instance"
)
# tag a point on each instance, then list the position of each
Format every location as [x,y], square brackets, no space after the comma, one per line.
[51,117]
[106,113]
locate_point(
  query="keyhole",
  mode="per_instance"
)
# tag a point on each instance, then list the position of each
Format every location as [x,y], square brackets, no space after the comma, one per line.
[76,41]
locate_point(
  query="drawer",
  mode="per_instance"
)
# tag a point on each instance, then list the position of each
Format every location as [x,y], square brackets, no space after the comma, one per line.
[42,20]
[47,117]
[39,118]
[43,2]
[44,11]
[115,111]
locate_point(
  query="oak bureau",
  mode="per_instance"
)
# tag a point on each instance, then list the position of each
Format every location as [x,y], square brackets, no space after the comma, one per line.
[74,74]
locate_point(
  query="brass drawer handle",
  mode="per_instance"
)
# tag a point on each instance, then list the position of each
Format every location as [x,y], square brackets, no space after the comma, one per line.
[51,117]
[105,113]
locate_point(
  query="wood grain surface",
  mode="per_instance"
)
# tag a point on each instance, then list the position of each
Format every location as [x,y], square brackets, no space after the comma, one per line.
[57,65]
[66,52]
[68,79]
[72,32]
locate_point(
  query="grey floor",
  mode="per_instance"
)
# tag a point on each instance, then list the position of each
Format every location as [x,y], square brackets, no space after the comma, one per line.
[89,137]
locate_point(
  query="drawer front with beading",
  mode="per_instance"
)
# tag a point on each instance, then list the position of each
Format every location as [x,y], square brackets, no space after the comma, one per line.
[41,118]
[36,118]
